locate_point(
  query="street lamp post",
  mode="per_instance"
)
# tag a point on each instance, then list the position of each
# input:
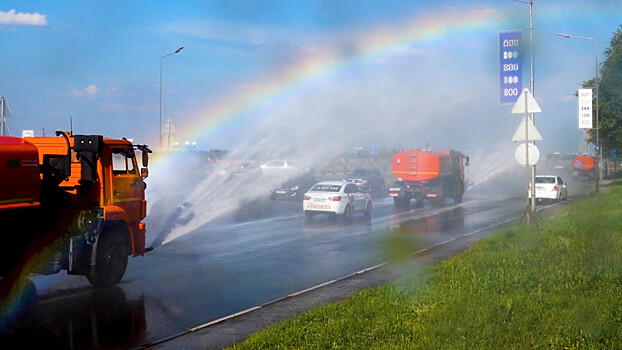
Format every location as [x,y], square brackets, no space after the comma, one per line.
[598,148]
[532,204]
[161,59]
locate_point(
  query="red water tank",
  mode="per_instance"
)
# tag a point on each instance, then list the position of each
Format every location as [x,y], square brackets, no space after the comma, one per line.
[20,181]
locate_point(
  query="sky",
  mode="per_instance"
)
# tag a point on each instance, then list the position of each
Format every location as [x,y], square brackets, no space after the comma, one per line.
[283,75]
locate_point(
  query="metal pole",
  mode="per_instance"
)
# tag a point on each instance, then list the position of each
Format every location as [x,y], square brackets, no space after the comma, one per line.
[532,88]
[533,93]
[168,127]
[160,124]
[599,151]
[533,185]
[2,114]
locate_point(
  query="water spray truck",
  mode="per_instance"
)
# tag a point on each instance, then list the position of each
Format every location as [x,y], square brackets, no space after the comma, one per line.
[423,175]
[70,202]
[583,167]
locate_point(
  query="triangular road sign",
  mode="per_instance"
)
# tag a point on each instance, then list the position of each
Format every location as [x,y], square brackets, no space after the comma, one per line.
[532,105]
[533,134]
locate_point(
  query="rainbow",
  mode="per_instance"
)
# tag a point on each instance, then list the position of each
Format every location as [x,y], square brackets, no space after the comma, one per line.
[425,27]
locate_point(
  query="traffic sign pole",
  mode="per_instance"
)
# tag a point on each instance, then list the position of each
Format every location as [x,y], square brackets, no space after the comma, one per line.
[615,164]
[526,104]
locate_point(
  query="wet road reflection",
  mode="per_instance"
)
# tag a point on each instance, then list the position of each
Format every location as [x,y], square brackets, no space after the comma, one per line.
[95,319]
[233,265]
[447,222]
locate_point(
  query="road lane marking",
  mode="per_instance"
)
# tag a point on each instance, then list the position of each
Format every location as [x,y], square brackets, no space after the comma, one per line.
[375,267]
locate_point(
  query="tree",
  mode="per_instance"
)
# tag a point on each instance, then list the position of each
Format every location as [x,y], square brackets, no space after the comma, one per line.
[610,95]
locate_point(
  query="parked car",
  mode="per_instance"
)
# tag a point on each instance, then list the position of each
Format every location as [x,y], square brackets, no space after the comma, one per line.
[245,168]
[337,198]
[293,188]
[278,165]
[550,187]
[370,179]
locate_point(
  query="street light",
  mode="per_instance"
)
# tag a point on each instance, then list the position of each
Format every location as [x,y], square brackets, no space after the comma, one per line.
[532,205]
[161,59]
[598,148]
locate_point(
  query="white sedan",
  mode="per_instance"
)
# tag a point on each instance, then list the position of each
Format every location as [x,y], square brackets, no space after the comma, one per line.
[550,187]
[336,198]
[278,165]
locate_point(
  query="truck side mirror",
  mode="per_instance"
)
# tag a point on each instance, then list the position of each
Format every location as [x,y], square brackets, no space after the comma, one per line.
[145,159]
[467,161]
[144,172]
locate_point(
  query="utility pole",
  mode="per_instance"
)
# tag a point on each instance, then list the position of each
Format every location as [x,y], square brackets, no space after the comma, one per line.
[161,60]
[599,151]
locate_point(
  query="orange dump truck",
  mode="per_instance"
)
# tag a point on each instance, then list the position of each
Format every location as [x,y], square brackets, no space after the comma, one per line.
[73,203]
[428,175]
[583,166]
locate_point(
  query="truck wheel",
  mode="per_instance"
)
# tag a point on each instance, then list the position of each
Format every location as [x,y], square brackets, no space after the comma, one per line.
[111,260]
[419,201]
[397,201]
[367,212]
[401,202]
[438,202]
[458,198]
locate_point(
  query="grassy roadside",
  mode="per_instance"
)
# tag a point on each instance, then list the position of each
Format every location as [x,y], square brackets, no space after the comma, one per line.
[558,286]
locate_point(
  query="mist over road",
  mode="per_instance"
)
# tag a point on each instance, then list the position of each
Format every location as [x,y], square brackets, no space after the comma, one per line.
[238,262]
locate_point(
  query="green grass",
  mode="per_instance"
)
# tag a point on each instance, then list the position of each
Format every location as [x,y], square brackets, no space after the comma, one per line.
[558,286]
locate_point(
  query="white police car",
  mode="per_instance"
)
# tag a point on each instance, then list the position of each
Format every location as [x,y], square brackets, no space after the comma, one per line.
[336,198]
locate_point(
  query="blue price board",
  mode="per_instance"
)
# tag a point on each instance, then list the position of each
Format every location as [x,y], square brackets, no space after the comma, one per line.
[510,66]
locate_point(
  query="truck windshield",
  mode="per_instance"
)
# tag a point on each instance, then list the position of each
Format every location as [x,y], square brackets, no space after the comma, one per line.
[123,161]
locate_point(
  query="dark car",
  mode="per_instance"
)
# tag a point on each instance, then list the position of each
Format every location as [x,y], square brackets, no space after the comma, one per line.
[294,188]
[370,179]
[245,168]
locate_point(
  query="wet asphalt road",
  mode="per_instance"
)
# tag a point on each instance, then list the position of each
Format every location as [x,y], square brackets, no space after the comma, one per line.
[264,254]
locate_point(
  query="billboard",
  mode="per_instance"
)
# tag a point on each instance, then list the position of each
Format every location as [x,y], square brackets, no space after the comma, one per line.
[585,108]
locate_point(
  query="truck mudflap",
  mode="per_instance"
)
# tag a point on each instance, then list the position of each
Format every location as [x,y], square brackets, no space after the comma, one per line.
[139,230]
[79,256]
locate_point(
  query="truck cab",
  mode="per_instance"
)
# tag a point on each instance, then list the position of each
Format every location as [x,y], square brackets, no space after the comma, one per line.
[82,206]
